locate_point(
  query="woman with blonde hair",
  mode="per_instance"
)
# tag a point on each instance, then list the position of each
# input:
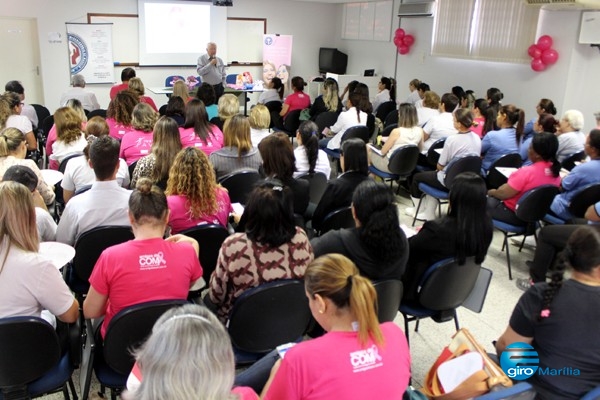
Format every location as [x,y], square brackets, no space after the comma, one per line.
[193,195]
[136,86]
[197,131]
[358,358]
[69,137]
[238,152]
[229,106]
[180,89]
[329,101]
[118,115]
[13,149]
[165,146]
[260,120]
[138,142]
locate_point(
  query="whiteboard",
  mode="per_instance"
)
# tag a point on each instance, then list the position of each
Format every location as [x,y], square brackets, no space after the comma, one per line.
[244,40]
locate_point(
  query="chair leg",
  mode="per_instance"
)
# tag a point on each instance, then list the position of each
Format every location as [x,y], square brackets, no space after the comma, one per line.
[72,387]
[522,243]
[406,333]
[417,210]
[507,257]
[65,391]
[417,325]
[456,321]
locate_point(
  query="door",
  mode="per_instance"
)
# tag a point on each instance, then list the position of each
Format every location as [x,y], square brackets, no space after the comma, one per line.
[19,43]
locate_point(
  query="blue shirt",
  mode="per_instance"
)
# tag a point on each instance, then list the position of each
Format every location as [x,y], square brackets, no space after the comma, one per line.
[582,175]
[495,144]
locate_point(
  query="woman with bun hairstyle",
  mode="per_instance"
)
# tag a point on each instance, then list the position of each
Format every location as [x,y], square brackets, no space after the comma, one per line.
[332,366]
[545,106]
[309,158]
[197,131]
[297,100]
[273,92]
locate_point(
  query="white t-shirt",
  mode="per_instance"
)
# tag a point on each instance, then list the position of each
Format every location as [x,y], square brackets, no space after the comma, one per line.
[45,225]
[439,126]
[60,149]
[302,165]
[569,143]
[457,146]
[78,173]
[268,95]
[424,114]
[345,120]
[20,122]
[256,135]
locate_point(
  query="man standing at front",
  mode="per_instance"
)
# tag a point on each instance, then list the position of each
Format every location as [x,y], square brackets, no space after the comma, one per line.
[212,69]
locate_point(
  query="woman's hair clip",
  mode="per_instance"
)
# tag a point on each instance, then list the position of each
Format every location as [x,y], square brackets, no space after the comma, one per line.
[278,188]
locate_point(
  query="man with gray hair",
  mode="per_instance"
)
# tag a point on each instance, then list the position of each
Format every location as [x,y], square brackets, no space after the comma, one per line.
[88,99]
[212,69]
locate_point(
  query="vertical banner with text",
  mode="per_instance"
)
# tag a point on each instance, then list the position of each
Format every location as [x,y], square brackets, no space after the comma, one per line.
[277,58]
[90,51]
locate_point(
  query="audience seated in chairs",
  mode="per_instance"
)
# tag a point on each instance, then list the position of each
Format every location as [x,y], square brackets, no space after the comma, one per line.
[119,114]
[46,226]
[193,195]
[353,116]
[29,282]
[52,134]
[144,269]
[544,170]
[271,248]
[377,244]
[563,314]
[309,158]
[138,142]
[69,137]
[237,152]
[167,364]
[441,125]
[197,131]
[329,101]
[260,120]
[354,163]
[465,232]
[105,203]
[298,100]
[166,143]
[507,139]
[78,174]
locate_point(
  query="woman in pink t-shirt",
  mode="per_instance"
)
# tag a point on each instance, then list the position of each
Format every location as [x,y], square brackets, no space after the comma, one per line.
[197,131]
[297,100]
[193,195]
[137,143]
[358,358]
[118,115]
[502,202]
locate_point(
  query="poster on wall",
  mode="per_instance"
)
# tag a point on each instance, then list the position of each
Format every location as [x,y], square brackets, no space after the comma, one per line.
[277,58]
[90,52]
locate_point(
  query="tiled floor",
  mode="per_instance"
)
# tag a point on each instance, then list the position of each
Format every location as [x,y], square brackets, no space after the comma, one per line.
[432,337]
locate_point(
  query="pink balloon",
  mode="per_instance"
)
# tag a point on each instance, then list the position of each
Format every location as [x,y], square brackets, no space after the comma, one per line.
[408,40]
[549,56]
[397,41]
[534,51]
[544,42]
[537,65]
[400,33]
[403,49]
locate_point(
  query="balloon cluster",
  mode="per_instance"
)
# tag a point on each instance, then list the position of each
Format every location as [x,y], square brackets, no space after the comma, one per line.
[403,41]
[542,54]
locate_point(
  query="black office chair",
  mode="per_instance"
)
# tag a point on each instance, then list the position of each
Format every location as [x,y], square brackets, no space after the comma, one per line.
[218,122]
[291,122]
[338,219]
[531,209]
[385,109]
[317,183]
[569,162]
[494,178]
[97,113]
[274,108]
[401,164]
[30,363]
[388,130]
[325,120]
[580,202]
[392,118]
[210,237]
[41,112]
[432,156]
[126,332]
[358,131]
[267,316]
[389,294]
[239,184]
[442,288]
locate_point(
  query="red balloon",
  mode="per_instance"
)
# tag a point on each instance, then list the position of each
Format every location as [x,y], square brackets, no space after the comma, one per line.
[534,51]
[397,41]
[549,56]
[408,40]
[403,49]
[537,65]
[544,42]
[400,33]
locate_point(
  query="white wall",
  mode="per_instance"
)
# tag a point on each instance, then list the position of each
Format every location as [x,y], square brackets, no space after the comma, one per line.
[310,23]
[572,83]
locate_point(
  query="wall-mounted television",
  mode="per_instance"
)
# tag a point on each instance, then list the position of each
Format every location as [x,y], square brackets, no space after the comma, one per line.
[332,60]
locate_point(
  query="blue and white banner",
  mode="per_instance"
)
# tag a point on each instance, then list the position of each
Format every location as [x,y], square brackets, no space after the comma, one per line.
[90,51]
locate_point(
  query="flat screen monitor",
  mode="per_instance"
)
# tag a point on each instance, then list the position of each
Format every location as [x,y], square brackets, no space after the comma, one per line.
[332,60]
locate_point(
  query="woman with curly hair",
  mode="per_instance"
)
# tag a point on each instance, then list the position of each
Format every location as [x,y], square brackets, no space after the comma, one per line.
[138,142]
[70,139]
[165,146]
[118,115]
[193,195]
[197,131]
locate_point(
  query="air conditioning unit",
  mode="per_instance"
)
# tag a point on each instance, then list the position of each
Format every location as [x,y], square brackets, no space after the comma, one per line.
[416,8]
[566,4]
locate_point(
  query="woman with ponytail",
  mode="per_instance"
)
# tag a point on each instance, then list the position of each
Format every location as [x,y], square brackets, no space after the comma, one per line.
[377,244]
[309,158]
[357,358]
[560,320]
[545,169]
[507,139]
[353,116]
[387,92]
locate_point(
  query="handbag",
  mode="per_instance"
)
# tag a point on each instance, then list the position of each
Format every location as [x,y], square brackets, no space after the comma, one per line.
[475,385]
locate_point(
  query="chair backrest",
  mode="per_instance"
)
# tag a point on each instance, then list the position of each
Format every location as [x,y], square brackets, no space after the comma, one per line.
[325,120]
[274,106]
[41,112]
[65,161]
[445,285]
[371,124]
[46,124]
[404,160]
[392,118]
[231,79]
[384,109]
[462,164]
[210,237]
[338,219]
[388,130]
[432,155]
[131,168]
[476,298]
[239,184]
[291,122]
[29,348]
[494,178]
[583,199]
[389,295]
[58,190]
[171,79]
[268,315]
[92,243]
[569,162]
[317,183]
[129,329]
[535,203]
[97,113]
[82,189]
[358,131]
